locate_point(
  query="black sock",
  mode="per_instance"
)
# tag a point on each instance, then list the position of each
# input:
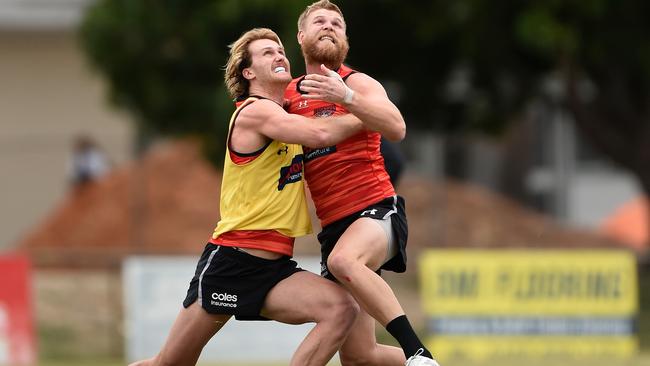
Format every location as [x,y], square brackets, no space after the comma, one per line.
[401,330]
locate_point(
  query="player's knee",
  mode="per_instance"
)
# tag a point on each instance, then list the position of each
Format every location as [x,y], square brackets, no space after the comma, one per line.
[350,310]
[339,265]
[344,312]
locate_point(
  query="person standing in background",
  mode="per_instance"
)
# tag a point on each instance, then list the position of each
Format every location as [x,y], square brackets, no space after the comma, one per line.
[87,163]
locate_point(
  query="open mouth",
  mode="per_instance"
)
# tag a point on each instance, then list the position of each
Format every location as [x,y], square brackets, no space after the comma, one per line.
[279,69]
[326,38]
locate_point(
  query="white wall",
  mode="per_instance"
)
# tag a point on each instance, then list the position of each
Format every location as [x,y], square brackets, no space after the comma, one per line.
[48,95]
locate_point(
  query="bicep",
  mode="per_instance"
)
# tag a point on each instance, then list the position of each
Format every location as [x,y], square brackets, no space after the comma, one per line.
[275,123]
[367,86]
[375,108]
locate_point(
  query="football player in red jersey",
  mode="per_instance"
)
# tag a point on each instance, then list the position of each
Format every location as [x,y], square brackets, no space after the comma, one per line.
[364,224]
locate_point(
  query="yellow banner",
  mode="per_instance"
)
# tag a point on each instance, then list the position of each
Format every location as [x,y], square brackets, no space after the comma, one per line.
[481,348]
[528,283]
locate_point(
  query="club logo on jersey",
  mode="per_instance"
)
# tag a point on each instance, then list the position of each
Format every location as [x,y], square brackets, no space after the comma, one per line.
[283,150]
[292,173]
[325,111]
[311,154]
[302,104]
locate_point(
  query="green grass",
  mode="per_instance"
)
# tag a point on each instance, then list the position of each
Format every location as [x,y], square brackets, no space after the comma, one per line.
[641,360]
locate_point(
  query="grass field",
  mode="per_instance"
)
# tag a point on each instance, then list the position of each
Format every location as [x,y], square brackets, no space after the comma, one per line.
[641,360]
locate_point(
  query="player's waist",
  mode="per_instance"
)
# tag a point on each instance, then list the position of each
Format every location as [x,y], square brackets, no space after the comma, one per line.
[261,243]
[329,212]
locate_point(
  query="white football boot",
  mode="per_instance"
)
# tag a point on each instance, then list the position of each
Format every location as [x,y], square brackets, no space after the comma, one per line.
[417,360]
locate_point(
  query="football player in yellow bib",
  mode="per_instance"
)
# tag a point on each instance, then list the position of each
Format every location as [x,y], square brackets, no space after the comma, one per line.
[246,268]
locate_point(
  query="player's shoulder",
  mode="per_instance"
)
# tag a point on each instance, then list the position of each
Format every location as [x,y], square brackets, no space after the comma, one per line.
[360,79]
[346,72]
[257,111]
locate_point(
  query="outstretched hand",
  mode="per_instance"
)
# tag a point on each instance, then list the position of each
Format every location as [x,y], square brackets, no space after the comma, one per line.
[329,87]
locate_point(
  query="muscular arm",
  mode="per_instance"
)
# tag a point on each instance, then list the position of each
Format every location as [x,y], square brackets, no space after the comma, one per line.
[269,119]
[369,102]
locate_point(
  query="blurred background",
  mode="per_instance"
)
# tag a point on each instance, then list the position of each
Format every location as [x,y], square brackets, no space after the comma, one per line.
[528,131]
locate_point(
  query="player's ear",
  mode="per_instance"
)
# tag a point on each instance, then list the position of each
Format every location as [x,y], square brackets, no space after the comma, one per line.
[248,73]
[300,36]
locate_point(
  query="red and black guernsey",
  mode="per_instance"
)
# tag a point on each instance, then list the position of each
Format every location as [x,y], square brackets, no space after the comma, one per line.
[347,177]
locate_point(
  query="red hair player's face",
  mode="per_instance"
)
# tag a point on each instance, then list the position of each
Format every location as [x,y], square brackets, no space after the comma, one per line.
[323,39]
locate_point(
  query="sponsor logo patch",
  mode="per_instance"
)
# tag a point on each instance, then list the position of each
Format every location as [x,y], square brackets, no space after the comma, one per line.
[312,154]
[378,213]
[223,300]
[292,173]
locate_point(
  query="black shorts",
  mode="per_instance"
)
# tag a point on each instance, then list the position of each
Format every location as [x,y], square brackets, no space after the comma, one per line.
[230,281]
[389,207]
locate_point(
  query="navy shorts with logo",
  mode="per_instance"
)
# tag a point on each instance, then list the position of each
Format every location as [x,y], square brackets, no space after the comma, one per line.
[391,207]
[231,281]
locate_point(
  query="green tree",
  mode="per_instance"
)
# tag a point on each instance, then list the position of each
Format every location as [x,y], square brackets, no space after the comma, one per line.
[474,64]
[459,65]
[164,60]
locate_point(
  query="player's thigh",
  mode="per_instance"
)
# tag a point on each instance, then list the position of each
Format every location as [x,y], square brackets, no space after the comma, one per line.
[366,241]
[304,297]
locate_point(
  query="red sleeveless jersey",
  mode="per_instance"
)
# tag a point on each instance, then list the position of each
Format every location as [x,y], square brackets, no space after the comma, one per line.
[347,177]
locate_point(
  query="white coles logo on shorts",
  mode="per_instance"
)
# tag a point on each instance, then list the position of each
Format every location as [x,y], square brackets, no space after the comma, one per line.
[224,299]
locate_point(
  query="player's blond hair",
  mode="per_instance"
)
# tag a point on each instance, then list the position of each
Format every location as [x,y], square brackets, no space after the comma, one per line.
[240,58]
[322,4]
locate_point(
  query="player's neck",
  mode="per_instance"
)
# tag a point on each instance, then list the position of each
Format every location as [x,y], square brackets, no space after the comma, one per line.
[314,68]
[271,92]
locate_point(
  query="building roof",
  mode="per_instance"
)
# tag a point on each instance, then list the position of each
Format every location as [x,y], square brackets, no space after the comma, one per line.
[629,224]
[168,203]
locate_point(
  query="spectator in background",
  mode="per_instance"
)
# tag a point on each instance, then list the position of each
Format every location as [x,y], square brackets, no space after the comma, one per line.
[88,161]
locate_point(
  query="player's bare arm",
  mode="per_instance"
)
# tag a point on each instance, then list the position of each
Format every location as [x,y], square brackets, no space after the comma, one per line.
[363,96]
[267,118]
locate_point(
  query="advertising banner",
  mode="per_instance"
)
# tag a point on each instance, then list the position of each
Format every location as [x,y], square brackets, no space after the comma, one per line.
[486,303]
[17,341]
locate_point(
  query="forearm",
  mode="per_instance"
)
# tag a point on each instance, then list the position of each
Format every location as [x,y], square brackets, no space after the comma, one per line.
[336,129]
[362,96]
[378,115]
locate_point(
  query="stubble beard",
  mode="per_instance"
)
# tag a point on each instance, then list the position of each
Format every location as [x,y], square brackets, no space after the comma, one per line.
[331,55]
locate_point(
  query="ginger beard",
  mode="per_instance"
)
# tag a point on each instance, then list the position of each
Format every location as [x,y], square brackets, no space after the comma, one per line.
[331,54]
